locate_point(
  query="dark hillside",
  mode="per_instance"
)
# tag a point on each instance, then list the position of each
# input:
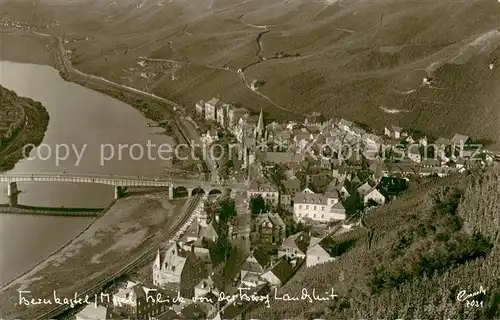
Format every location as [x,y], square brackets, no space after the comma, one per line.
[412,259]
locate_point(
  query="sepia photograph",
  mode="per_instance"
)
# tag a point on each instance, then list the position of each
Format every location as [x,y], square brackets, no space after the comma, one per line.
[250,159]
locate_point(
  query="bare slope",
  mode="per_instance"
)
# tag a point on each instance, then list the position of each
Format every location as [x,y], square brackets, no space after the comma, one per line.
[357,58]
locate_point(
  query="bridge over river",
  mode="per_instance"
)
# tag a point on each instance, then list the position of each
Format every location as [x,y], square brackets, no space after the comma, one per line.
[120,183]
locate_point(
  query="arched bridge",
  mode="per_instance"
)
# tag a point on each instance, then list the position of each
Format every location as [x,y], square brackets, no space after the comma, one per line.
[121,182]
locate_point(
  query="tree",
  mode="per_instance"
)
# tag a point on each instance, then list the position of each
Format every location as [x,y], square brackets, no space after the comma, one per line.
[227,209]
[257,204]
[304,173]
[276,175]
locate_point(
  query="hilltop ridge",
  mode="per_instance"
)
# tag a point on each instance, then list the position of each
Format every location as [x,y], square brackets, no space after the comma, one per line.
[354,59]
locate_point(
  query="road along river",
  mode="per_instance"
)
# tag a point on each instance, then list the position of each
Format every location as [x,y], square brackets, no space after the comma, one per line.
[84,121]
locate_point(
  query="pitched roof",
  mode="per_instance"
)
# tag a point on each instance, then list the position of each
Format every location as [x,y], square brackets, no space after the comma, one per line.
[337,206]
[260,124]
[262,184]
[310,198]
[396,129]
[359,131]
[376,192]
[212,101]
[332,191]
[442,141]
[172,262]
[282,270]
[273,126]
[273,218]
[345,122]
[257,262]
[459,138]
[364,189]
[314,241]
[298,241]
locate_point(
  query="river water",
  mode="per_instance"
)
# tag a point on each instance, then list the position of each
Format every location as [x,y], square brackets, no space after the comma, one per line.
[90,124]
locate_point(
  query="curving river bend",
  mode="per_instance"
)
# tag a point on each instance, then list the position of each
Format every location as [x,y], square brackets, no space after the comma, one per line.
[84,120]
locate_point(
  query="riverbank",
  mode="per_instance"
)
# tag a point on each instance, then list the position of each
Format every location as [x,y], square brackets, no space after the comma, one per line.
[153,108]
[31,130]
[133,226]
[18,47]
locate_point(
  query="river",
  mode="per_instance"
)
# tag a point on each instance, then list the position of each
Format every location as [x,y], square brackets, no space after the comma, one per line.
[79,117]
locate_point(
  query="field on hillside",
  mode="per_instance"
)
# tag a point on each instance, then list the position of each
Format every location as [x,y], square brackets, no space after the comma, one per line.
[412,260]
[356,59]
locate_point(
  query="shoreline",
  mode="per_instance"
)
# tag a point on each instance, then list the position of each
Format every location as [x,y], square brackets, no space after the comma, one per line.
[32,131]
[58,250]
[152,107]
[99,246]
[153,110]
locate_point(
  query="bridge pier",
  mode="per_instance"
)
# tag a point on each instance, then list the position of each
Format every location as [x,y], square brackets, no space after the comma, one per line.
[171,192]
[190,191]
[12,192]
[119,192]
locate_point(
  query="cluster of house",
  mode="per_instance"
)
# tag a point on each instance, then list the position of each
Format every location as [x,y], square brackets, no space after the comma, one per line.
[187,279]
[291,142]
[190,269]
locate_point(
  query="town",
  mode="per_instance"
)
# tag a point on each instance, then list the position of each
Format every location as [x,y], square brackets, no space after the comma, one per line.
[309,183]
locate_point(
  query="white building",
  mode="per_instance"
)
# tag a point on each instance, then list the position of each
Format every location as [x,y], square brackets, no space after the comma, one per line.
[211,109]
[318,253]
[205,286]
[200,108]
[210,137]
[295,246]
[234,114]
[345,125]
[169,268]
[317,207]
[375,196]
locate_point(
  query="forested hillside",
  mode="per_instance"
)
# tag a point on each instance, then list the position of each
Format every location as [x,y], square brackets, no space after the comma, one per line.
[413,258]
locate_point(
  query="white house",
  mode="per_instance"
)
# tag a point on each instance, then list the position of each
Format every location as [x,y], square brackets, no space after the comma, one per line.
[414,154]
[295,246]
[318,252]
[200,108]
[375,196]
[345,125]
[394,132]
[257,263]
[91,312]
[316,207]
[211,109]
[168,269]
[210,137]
[205,286]
[364,189]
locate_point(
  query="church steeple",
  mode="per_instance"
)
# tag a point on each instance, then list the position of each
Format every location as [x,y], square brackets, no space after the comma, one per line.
[259,131]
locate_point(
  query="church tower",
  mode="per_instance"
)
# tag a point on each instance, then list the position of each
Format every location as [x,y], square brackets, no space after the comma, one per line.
[260,131]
